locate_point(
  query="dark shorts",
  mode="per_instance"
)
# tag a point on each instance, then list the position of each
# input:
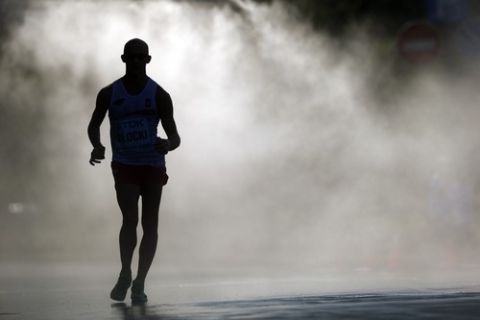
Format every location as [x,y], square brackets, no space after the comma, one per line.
[123,173]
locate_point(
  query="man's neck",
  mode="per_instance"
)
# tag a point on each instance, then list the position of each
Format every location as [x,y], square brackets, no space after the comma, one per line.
[134,83]
[135,79]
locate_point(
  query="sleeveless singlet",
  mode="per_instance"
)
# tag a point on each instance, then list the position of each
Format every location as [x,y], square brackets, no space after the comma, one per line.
[133,126]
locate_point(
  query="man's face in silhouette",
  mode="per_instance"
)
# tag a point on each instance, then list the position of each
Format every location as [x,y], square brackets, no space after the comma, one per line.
[136,57]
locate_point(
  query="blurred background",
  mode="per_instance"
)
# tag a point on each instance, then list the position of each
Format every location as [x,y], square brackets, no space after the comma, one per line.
[316,135]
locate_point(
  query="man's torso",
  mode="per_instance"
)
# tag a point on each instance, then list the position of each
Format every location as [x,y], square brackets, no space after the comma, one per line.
[133,125]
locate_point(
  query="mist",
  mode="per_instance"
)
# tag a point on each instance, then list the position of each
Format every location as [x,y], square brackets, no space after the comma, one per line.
[299,154]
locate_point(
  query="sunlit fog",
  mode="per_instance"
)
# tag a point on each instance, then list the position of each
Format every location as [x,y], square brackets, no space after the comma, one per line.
[301,153]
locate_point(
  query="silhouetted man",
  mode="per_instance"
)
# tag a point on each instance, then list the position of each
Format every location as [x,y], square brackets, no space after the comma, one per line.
[135,105]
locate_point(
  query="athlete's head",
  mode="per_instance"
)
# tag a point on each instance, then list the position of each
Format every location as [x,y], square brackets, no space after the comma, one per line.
[135,55]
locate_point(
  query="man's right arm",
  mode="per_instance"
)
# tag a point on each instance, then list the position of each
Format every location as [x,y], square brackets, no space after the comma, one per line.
[101,108]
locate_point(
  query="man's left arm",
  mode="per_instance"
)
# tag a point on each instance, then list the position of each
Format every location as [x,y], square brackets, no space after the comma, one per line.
[165,109]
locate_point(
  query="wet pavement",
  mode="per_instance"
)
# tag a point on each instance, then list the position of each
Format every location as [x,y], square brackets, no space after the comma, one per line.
[71,292]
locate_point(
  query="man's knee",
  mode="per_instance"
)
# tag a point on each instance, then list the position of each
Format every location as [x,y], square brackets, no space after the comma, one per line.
[130,221]
[150,229]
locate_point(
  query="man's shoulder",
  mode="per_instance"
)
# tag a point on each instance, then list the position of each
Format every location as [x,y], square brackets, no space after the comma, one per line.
[161,93]
[159,88]
[105,94]
[106,91]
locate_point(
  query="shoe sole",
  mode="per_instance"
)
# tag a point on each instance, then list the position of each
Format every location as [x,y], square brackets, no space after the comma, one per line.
[139,299]
[116,298]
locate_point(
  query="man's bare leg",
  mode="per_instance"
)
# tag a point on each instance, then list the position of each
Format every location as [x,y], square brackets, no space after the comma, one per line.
[127,198]
[151,195]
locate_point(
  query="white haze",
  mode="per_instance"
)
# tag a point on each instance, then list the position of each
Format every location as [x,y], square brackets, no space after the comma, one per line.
[292,159]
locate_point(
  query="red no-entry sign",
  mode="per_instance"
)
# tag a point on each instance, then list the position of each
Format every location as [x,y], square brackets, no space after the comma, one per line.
[418,42]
